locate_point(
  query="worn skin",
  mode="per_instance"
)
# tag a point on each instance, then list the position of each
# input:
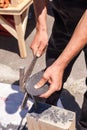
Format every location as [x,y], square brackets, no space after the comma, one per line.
[4,3]
[40,42]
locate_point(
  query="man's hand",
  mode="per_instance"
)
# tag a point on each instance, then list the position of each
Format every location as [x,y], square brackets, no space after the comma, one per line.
[4,3]
[40,42]
[53,75]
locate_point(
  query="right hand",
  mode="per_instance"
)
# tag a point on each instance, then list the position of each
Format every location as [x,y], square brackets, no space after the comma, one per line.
[39,43]
[53,75]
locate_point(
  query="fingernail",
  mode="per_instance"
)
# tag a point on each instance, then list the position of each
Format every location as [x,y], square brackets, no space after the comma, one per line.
[36,86]
[38,55]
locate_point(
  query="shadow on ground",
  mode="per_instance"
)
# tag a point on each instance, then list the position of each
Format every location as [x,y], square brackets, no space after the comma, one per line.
[69,103]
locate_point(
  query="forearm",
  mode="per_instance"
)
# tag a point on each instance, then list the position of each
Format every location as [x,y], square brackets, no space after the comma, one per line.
[77,42]
[40,7]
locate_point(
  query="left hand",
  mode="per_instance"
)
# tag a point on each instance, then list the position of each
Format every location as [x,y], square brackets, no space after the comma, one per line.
[53,75]
[40,42]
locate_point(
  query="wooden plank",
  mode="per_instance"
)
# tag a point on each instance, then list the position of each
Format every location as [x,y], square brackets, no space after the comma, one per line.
[18,10]
[16,2]
[8,26]
[20,35]
[25,19]
[48,117]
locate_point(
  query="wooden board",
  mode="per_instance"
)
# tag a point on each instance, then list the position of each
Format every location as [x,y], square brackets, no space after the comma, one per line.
[16,2]
[16,10]
[48,117]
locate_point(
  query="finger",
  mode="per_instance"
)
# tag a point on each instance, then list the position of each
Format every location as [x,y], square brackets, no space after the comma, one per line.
[38,50]
[34,48]
[40,83]
[52,88]
[48,93]
[41,49]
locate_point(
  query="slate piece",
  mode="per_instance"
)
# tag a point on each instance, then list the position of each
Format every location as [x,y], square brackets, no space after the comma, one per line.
[32,81]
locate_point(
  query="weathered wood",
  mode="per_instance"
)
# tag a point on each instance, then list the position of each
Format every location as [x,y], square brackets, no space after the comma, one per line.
[15,2]
[19,9]
[16,10]
[20,35]
[48,117]
[8,26]
[25,19]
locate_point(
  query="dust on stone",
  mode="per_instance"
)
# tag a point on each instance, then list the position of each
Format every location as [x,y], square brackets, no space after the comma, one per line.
[54,115]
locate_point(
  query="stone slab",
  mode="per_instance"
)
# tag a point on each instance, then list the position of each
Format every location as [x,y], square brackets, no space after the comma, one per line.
[47,117]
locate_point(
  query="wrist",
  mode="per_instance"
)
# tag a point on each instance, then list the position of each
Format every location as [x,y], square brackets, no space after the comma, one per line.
[41,27]
[61,63]
[41,23]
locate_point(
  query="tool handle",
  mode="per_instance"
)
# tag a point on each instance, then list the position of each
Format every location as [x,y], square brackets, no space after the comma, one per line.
[24,101]
[21,81]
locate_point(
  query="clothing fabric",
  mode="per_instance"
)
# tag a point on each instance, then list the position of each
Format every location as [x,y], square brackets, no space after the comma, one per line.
[67,14]
[82,125]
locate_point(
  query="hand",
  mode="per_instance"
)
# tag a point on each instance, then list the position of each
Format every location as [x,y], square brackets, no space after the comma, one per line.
[53,75]
[39,43]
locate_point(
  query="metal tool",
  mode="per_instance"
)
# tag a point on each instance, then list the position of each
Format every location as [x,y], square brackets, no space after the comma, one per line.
[24,78]
[28,82]
[32,91]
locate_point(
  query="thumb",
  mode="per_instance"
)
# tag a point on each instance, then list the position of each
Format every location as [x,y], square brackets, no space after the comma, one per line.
[40,83]
[41,49]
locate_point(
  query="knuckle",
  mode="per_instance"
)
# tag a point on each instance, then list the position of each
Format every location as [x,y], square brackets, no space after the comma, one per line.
[44,75]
